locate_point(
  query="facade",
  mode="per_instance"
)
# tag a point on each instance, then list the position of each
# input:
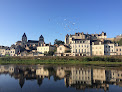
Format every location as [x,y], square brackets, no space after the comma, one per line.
[80,47]
[118,50]
[62,49]
[104,47]
[45,48]
[4,51]
[109,49]
[97,49]
[14,51]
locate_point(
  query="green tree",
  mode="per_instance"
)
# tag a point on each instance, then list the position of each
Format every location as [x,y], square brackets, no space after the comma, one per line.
[120,42]
[50,53]
[58,42]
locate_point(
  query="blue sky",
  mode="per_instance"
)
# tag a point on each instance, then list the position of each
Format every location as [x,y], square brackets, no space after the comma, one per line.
[56,18]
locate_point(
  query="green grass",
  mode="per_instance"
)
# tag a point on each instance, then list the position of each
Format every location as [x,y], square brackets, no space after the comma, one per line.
[56,62]
[61,60]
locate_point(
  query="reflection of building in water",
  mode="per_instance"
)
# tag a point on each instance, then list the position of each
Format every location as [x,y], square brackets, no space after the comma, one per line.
[7,69]
[114,76]
[81,75]
[99,75]
[79,78]
[82,78]
[42,72]
[60,72]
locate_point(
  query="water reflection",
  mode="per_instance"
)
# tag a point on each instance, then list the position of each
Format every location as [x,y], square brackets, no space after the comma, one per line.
[77,77]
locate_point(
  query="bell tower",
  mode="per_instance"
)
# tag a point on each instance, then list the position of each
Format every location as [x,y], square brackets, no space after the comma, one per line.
[41,40]
[24,40]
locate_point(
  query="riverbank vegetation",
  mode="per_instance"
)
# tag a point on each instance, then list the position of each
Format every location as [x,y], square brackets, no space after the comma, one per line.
[62,60]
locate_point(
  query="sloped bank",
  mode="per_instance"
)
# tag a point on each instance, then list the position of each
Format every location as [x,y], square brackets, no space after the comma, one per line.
[62,60]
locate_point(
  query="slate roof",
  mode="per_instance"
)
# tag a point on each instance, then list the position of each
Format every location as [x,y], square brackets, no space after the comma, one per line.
[41,36]
[32,41]
[24,35]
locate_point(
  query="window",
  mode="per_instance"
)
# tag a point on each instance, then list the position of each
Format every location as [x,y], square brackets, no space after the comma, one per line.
[120,49]
[79,50]
[85,50]
[120,53]
[76,50]
[60,48]
[101,52]
[116,49]
[87,46]
[82,50]
[13,51]
[93,52]
[79,45]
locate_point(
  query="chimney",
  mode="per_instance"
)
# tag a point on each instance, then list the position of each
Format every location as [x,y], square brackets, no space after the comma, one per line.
[49,43]
[99,43]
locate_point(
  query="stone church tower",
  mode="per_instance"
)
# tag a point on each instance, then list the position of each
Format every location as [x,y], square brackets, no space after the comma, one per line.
[41,40]
[24,40]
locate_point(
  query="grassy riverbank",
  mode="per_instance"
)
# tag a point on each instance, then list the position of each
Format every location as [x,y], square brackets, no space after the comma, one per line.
[62,60]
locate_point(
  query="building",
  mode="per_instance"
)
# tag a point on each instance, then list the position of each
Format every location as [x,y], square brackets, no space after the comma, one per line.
[14,51]
[4,51]
[97,48]
[45,48]
[118,50]
[24,42]
[80,47]
[102,47]
[63,49]
[69,38]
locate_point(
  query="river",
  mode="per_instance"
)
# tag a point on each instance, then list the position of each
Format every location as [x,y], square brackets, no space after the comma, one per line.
[60,78]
